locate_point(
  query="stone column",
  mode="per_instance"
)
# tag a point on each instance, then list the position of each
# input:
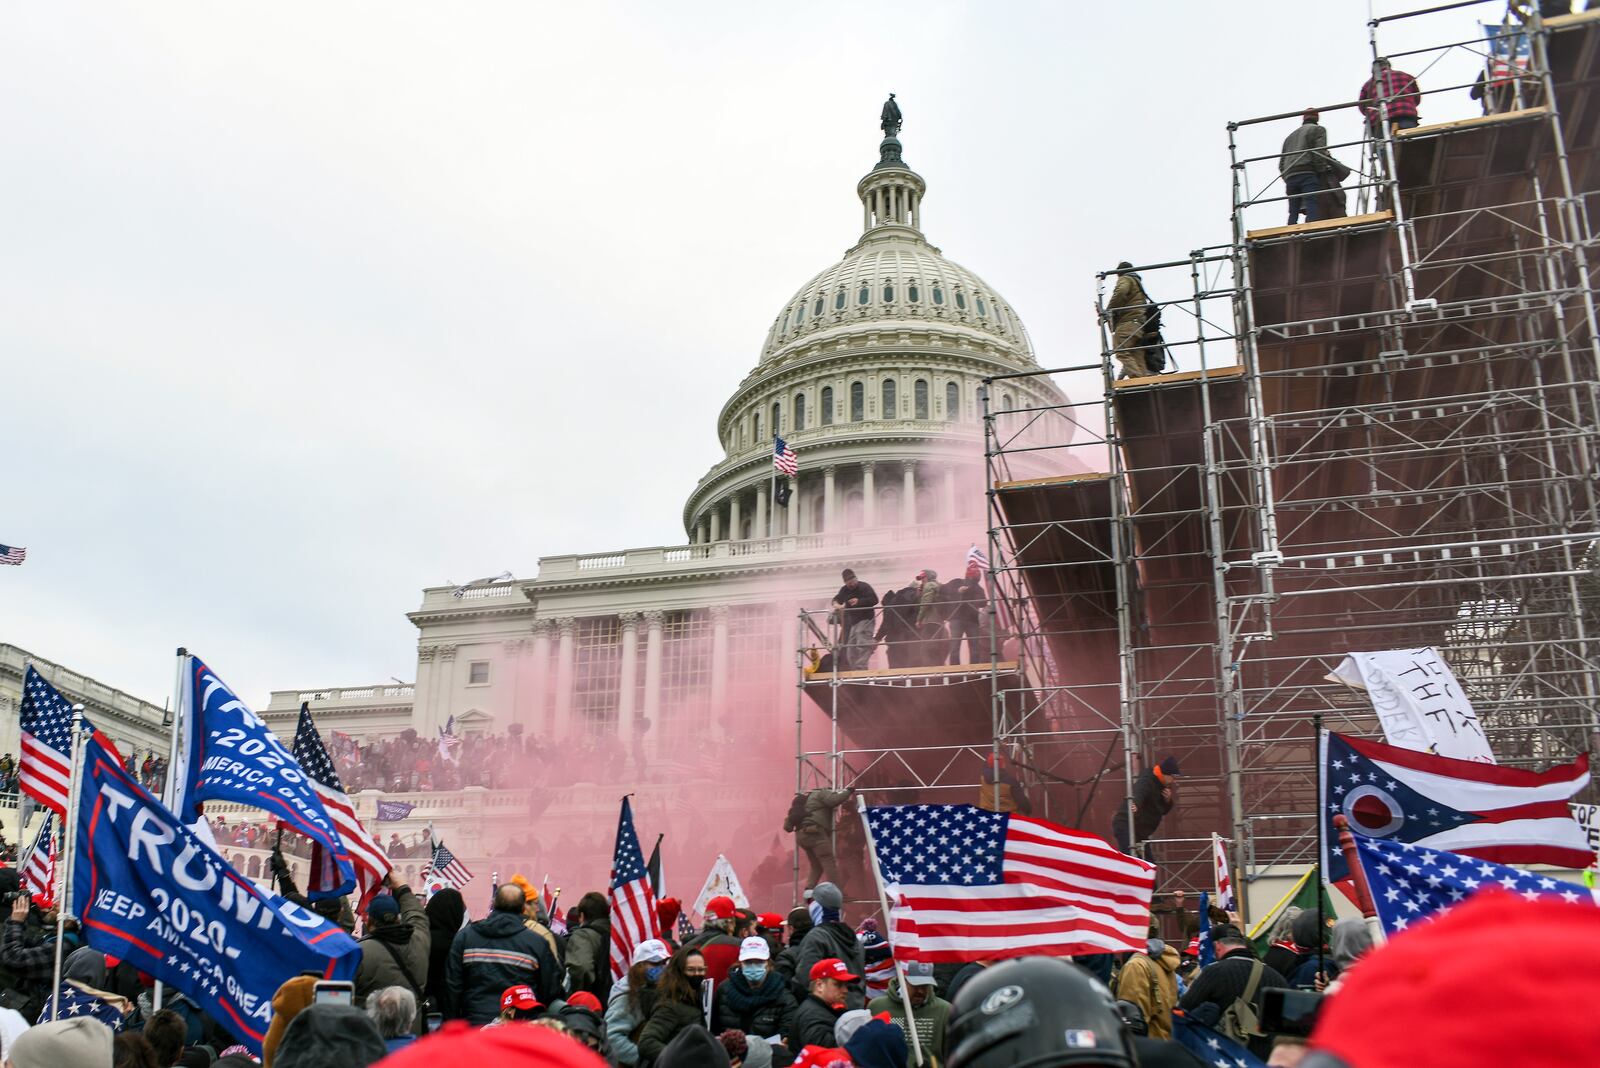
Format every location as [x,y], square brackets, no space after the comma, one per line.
[949,494]
[716,522]
[541,672]
[705,530]
[869,496]
[735,517]
[423,690]
[763,491]
[908,492]
[627,680]
[567,626]
[652,673]
[719,667]
[830,502]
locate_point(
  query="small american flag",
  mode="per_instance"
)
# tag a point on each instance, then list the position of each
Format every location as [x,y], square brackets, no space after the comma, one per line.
[445,870]
[448,740]
[970,884]
[633,903]
[70,1001]
[12,554]
[39,866]
[976,556]
[45,771]
[783,458]
[366,855]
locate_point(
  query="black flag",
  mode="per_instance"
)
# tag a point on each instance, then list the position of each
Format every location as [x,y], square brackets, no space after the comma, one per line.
[654,868]
[781,496]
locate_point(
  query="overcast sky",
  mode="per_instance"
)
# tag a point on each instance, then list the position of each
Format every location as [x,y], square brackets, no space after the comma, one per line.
[306,307]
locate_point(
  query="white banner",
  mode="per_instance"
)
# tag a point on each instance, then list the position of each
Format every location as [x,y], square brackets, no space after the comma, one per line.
[722,882]
[1418,701]
[1588,817]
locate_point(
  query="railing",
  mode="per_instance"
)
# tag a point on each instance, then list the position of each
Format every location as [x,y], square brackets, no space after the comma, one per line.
[282,699]
[81,686]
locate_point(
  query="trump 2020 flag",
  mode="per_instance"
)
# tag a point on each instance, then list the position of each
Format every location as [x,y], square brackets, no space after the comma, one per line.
[1508,815]
[966,884]
[227,754]
[148,891]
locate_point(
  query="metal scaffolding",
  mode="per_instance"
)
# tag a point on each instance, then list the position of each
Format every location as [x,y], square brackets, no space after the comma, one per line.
[1382,433]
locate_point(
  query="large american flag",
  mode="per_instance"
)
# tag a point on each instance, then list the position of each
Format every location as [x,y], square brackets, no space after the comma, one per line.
[45,771]
[366,855]
[444,870]
[633,902]
[969,884]
[39,866]
[12,554]
[1410,882]
[783,458]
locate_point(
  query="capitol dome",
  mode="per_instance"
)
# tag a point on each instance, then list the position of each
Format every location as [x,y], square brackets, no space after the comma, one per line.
[872,373]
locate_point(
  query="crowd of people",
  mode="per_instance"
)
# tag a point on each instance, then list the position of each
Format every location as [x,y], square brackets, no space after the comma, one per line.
[926,623]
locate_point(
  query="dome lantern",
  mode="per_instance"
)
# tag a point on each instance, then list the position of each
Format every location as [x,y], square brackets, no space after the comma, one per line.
[891,193]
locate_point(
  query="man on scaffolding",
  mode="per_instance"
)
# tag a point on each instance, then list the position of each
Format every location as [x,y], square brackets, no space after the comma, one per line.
[1307,169]
[1130,310]
[854,603]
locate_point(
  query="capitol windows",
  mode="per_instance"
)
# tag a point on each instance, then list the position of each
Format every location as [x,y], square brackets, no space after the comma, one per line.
[858,402]
[864,295]
[478,673]
[919,399]
[888,293]
[983,309]
[888,398]
[777,418]
[755,427]
[838,301]
[913,294]
[938,295]
[961,300]
[826,415]
[952,401]
[799,411]
[1006,403]
[597,672]
[817,310]
[799,314]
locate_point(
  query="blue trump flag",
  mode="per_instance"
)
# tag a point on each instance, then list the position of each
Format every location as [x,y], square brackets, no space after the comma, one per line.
[148,890]
[227,754]
[1208,948]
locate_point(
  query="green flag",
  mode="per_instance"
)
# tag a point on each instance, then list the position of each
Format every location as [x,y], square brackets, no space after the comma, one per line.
[1302,894]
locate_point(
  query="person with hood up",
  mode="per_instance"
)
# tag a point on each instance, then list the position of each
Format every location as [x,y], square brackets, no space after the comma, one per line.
[1155,793]
[1313,959]
[694,1047]
[633,999]
[832,938]
[755,998]
[1150,981]
[589,948]
[396,949]
[677,1005]
[1351,940]
[715,940]
[878,1044]
[447,914]
[931,1011]
[494,953]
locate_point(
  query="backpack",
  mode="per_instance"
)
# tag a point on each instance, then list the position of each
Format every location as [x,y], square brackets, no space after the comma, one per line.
[1240,1021]
[797,813]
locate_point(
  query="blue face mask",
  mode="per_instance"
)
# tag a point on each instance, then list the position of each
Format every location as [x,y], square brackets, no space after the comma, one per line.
[653,972]
[754,973]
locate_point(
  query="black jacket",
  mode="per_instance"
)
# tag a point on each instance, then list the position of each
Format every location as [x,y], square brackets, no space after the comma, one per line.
[813,1024]
[1224,982]
[899,622]
[1149,804]
[831,939]
[966,598]
[589,959]
[764,1011]
[866,599]
[490,955]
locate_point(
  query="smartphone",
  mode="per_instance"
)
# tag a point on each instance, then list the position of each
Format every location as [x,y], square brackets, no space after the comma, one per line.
[333,992]
[435,1020]
[1289,1012]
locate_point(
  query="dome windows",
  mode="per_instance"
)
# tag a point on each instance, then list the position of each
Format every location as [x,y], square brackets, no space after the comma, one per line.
[799,412]
[777,418]
[952,401]
[838,301]
[912,293]
[858,402]
[799,315]
[938,295]
[961,300]
[889,409]
[864,295]
[816,312]
[755,427]
[888,292]
[983,309]
[825,415]
[919,399]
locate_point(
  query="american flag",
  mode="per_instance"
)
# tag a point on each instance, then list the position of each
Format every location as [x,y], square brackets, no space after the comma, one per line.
[1205,948]
[12,554]
[1215,1050]
[45,770]
[1410,882]
[445,870]
[39,865]
[783,458]
[633,903]
[970,884]
[976,556]
[366,855]
[448,740]
[70,1001]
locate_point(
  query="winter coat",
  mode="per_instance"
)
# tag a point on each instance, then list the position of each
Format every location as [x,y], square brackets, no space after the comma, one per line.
[964,599]
[410,941]
[1152,984]
[1149,806]
[759,1012]
[445,912]
[490,955]
[1282,957]
[1305,151]
[693,1047]
[718,947]
[1128,299]
[665,1022]
[813,1023]
[832,939]
[929,607]
[1222,983]
[622,1021]
[589,959]
[818,819]
[933,1020]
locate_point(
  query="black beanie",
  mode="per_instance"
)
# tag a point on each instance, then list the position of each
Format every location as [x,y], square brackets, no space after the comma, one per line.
[330,1036]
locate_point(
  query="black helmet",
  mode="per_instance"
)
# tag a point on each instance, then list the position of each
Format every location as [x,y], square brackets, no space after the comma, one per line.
[1037,1012]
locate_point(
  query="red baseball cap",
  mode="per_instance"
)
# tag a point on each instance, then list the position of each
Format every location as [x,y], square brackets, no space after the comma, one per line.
[769,921]
[460,1046]
[720,908]
[832,968]
[585,1000]
[519,997]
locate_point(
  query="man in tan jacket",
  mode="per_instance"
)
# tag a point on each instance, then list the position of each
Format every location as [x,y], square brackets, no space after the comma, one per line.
[1129,309]
[1150,981]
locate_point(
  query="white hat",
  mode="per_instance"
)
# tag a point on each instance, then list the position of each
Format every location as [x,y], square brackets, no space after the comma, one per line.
[651,949]
[755,948]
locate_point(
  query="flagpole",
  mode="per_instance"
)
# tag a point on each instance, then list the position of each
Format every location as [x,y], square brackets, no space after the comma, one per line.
[1322,835]
[169,785]
[772,502]
[883,900]
[64,870]
[1369,911]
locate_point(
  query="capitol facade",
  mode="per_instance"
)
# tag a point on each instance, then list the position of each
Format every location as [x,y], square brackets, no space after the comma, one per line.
[670,672]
